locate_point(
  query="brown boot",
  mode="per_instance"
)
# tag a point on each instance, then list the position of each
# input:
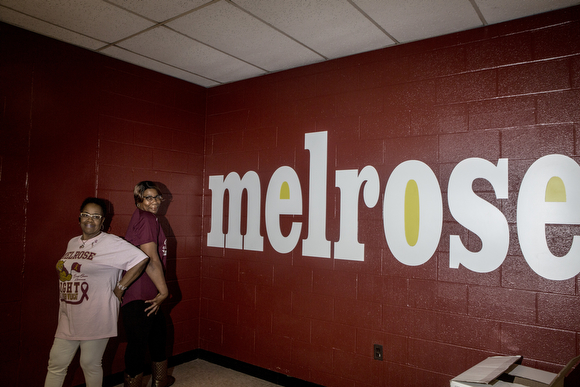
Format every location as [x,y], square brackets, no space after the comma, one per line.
[136,381]
[159,377]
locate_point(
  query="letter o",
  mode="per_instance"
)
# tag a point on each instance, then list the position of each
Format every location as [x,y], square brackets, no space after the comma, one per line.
[430,212]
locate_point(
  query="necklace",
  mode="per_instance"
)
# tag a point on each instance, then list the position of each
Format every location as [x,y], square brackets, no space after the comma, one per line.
[82,246]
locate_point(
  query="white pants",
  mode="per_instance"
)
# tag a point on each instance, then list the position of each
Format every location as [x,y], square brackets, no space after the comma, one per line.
[62,353]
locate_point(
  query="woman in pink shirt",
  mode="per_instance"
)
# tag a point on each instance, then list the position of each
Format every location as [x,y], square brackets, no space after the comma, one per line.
[91,284]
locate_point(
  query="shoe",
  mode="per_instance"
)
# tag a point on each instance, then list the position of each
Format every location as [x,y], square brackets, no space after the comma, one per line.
[159,377]
[136,381]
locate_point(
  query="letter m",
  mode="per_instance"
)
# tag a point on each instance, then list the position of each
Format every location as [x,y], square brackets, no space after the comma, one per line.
[234,239]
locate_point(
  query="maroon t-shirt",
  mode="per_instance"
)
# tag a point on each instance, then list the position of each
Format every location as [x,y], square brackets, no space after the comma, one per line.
[144,228]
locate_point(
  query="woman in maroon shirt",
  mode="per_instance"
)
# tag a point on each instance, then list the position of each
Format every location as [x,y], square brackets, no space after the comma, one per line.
[142,317]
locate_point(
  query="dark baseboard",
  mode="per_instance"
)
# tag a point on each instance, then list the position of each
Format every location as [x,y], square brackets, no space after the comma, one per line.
[255,371]
[224,361]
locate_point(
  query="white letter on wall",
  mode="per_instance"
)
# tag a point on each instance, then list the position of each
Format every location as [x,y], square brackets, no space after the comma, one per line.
[413,213]
[233,239]
[549,194]
[478,215]
[284,197]
[316,244]
[350,182]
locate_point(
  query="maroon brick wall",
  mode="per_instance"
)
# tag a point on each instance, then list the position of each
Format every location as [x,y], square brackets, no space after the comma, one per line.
[77,124]
[505,91]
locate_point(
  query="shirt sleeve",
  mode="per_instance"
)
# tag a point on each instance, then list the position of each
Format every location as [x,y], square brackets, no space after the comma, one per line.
[143,230]
[120,254]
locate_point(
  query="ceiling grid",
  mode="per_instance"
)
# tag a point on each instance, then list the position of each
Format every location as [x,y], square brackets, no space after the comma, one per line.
[212,42]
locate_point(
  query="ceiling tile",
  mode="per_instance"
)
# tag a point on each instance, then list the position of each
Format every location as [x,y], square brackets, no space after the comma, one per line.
[160,10]
[412,20]
[333,28]
[40,27]
[210,42]
[97,19]
[497,11]
[229,29]
[154,65]
[174,49]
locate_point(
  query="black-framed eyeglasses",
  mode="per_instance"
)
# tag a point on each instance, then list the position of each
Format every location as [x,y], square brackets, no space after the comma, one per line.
[86,215]
[151,198]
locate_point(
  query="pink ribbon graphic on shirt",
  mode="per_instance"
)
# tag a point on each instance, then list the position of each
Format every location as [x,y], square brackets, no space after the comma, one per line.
[85,295]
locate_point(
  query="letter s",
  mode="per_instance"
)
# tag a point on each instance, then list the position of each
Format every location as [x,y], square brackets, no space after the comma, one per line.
[478,215]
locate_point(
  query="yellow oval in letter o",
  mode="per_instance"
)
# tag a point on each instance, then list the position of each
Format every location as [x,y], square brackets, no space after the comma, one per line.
[412,213]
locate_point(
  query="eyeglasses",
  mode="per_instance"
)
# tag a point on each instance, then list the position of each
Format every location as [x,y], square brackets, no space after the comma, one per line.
[151,198]
[86,215]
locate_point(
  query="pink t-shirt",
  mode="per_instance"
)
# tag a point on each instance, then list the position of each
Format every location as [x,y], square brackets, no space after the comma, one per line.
[88,273]
[144,228]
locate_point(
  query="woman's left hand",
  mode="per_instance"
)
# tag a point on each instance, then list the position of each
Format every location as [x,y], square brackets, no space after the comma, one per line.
[155,303]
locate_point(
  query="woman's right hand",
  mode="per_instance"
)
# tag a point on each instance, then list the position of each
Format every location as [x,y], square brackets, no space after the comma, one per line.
[118,293]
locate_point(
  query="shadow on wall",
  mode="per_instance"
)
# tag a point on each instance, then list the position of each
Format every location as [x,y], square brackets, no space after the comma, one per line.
[175,295]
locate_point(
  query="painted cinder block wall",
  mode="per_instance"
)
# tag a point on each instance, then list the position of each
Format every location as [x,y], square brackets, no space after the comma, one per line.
[505,91]
[77,124]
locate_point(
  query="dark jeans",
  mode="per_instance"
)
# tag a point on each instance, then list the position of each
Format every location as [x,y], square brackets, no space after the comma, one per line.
[143,332]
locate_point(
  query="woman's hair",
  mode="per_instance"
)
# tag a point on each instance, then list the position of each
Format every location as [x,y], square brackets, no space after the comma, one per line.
[141,187]
[99,202]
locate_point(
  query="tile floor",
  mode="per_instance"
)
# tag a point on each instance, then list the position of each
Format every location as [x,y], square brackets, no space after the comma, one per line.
[200,373]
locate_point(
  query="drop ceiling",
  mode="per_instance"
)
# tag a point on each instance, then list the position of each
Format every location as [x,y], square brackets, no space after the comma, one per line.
[221,41]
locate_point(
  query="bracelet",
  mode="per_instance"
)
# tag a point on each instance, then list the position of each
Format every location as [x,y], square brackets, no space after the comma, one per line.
[122,287]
